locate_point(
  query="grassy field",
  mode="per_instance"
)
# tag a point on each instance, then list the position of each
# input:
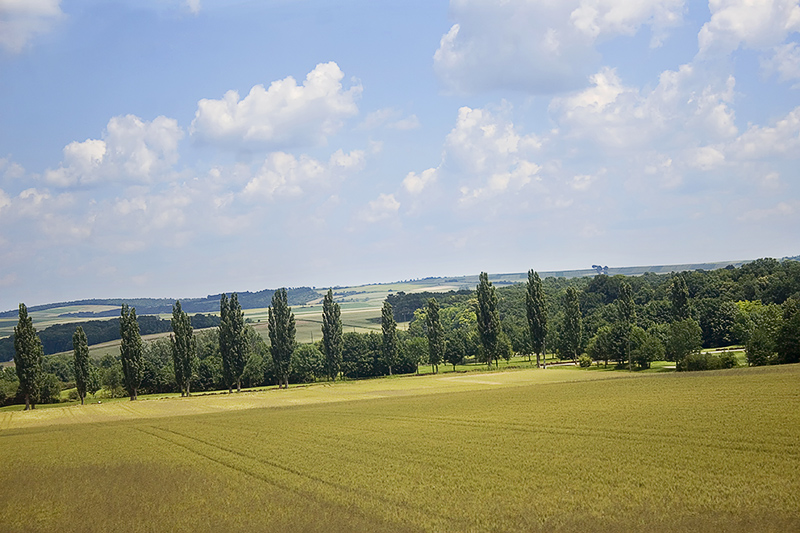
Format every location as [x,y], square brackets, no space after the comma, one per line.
[556,449]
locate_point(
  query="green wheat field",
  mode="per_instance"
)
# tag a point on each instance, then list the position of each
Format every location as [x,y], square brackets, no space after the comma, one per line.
[528,450]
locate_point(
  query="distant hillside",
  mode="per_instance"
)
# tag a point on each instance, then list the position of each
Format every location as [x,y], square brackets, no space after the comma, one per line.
[158,306]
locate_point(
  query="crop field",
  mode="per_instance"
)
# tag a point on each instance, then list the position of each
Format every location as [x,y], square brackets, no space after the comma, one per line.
[556,449]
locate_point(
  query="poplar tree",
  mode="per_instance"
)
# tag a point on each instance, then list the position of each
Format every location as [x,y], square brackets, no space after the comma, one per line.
[389,330]
[130,351]
[572,330]
[281,335]
[80,347]
[537,314]
[225,341]
[488,318]
[331,335]
[28,355]
[626,308]
[679,298]
[184,349]
[436,342]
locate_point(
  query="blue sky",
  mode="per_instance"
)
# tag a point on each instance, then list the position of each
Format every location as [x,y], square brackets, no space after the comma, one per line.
[181,148]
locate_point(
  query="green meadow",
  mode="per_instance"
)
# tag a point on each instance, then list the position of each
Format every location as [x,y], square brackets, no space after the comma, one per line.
[561,449]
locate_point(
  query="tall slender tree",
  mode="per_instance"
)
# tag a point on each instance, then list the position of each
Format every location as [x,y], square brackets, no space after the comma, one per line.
[389,330]
[225,341]
[232,342]
[28,355]
[537,314]
[131,351]
[488,318]
[679,298]
[331,335]
[626,308]
[281,335]
[436,341]
[184,349]
[572,330]
[80,348]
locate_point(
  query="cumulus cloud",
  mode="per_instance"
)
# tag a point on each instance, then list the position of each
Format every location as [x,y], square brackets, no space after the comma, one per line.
[284,115]
[5,201]
[131,150]
[193,6]
[21,20]
[385,206]
[758,142]
[283,174]
[539,47]
[391,118]
[415,183]
[785,61]
[782,209]
[757,25]
[683,104]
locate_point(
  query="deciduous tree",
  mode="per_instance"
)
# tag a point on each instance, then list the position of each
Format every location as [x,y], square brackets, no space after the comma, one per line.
[389,330]
[436,341]
[573,328]
[80,348]
[232,345]
[28,355]
[184,349]
[488,318]
[130,351]
[537,314]
[679,298]
[331,335]
[281,335]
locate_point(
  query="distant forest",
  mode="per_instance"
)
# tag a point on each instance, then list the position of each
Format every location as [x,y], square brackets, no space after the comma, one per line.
[58,338]
[160,306]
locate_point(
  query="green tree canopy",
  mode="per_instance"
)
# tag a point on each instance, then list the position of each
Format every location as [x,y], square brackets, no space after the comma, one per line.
[184,349]
[331,335]
[488,318]
[281,335]
[130,351]
[536,308]
[80,348]
[572,328]
[436,340]
[28,357]
[389,330]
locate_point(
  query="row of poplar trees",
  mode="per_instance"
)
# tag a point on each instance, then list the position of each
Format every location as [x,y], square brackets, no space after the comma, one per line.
[490,331]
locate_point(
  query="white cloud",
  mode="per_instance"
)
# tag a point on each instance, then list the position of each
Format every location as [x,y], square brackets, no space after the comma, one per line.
[21,20]
[193,6]
[131,150]
[682,105]
[782,209]
[385,206]
[391,118]
[753,24]
[706,158]
[10,169]
[782,139]
[5,201]
[785,61]
[283,174]
[539,47]
[283,115]
[415,183]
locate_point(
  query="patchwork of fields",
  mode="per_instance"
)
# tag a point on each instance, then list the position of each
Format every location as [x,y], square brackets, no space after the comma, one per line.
[556,449]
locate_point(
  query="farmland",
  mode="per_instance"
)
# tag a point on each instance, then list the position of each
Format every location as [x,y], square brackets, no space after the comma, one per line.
[556,449]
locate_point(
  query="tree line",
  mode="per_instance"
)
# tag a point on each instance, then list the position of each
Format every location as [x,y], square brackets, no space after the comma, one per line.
[629,321]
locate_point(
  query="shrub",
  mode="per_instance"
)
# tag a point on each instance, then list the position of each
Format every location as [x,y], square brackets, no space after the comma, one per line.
[585,361]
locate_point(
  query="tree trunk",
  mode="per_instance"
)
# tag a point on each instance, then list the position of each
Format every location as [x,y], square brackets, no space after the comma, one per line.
[538,362]
[27,402]
[239,386]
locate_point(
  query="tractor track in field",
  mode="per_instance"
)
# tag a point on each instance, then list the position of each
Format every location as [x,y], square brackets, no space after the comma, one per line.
[403,506]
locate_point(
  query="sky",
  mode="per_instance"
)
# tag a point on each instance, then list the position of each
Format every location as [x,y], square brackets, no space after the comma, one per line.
[179,148]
